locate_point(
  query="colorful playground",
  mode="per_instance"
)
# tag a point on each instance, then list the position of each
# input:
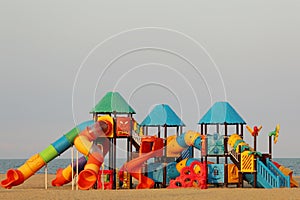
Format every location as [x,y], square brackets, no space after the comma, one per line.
[166,159]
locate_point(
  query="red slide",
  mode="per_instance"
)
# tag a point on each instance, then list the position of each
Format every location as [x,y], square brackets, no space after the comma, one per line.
[134,166]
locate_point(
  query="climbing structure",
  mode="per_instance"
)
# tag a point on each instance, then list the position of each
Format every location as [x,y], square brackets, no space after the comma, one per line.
[124,126]
[220,114]
[163,117]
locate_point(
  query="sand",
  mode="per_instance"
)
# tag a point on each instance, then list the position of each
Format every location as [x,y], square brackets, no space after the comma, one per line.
[33,188]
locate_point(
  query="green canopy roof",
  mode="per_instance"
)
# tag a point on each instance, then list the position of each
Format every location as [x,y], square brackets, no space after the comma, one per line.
[162,115]
[220,113]
[113,102]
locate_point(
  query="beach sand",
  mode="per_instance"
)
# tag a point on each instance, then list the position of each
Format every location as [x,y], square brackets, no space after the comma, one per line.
[33,188]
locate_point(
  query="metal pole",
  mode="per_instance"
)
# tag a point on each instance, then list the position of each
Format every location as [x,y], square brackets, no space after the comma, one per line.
[255,140]
[76,170]
[226,153]
[72,165]
[242,131]
[270,147]
[158,131]
[102,177]
[130,151]
[255,173]
[115,150]
[165,157]
[46,176]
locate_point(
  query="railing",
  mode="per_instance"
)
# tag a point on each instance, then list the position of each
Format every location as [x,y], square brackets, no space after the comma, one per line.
[185,154]
[265,176]
[136,137]
[284,181]
[235,155]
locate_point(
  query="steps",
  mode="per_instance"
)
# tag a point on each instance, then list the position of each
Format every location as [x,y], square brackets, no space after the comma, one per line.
[268,176]
[234,157]
[136,140]
[265,177]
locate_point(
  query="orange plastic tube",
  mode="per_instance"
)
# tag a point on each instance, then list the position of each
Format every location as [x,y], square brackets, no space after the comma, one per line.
[63,176]
[88,177]
[13,177]
[16,177]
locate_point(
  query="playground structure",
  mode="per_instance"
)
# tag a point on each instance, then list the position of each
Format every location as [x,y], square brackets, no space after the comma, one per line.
[158,160]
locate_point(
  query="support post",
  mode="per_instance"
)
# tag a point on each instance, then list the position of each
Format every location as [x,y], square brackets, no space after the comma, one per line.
[114,149]
[255,141]
[242,131]
[158,131]
[165,156]
[225,144]
[72,165]
[130,147]
[255,173]
[270,147]
[240,183]
[226,152]
[77,171]
[46,176]
[240,167]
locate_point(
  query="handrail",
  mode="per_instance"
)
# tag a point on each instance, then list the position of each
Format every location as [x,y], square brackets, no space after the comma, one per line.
[184,154]
[235,155]
[136,137]
[284,181]
[266,177]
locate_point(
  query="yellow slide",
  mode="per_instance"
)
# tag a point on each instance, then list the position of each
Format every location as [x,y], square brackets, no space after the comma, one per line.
[288,172]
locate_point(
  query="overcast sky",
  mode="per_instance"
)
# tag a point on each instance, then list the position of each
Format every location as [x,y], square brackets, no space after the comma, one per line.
[59,58]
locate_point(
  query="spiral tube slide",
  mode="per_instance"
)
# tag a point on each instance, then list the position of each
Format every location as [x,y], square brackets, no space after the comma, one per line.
[84,144]
[16,177]
[64,176]
[235,141]
[176,144]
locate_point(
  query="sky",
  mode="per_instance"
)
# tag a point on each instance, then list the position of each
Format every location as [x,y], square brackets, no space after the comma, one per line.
[59,58]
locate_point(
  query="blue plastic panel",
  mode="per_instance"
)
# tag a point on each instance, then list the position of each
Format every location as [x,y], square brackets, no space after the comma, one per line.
[215,144]
[216,173]
[155,172]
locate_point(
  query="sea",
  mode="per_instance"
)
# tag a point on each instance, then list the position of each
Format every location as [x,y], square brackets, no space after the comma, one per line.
[5,164]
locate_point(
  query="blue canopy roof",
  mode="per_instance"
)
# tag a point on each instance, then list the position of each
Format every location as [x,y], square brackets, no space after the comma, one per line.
[220,113]
[162,115]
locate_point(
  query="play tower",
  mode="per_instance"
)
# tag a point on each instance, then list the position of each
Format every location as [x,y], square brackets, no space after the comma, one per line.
[124,126]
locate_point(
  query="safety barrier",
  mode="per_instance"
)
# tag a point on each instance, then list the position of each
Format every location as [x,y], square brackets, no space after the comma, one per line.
[266,177]
[284,181]
[136,137]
